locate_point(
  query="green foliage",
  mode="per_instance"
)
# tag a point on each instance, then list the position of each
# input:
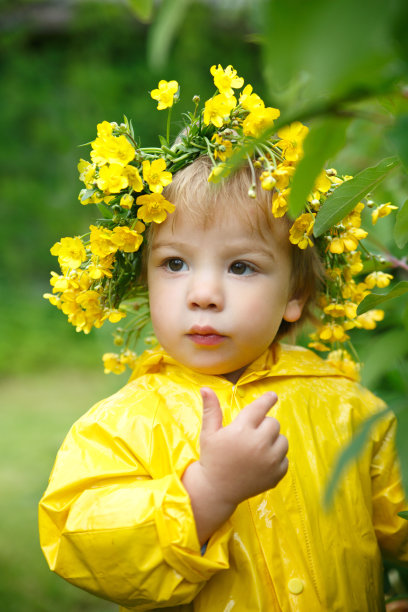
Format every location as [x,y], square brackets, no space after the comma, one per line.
[164,30]
[350,193]
[350,453]
[333,51]
[143,9]
[324,140]
[375,299]
[401,226]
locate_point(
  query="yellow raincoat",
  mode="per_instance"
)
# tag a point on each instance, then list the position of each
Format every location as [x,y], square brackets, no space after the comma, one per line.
[117,521]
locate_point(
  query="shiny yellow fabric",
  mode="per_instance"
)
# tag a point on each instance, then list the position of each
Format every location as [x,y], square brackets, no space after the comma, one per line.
[117,521]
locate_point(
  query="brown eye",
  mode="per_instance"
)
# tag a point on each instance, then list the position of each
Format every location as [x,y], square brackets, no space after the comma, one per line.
[241,268]
[175,264]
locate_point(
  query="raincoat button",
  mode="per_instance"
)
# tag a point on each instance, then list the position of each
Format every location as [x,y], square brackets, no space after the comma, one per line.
[240,392]
[295,586]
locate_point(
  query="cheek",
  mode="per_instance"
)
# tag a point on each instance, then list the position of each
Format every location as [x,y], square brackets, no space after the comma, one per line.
[163,300]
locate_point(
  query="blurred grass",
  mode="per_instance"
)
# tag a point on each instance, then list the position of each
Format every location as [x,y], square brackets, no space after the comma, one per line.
[37,411]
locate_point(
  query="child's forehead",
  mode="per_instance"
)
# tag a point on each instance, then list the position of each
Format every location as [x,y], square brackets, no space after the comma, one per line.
[249,222]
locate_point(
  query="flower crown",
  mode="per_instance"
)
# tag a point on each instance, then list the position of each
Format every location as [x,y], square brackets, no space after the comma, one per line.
[100,271]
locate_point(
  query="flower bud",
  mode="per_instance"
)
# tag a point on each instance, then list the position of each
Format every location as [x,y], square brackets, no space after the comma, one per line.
[268,183]
[118,340]
[196,99]
[252,192]
[126,201]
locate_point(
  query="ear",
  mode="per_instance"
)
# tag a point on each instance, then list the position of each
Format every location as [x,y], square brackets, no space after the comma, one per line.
[293,310]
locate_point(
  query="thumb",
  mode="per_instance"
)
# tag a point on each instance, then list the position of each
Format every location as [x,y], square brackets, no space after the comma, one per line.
[212,414]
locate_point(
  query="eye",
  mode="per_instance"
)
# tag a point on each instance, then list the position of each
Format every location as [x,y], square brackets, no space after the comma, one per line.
[241,268]
[175,264]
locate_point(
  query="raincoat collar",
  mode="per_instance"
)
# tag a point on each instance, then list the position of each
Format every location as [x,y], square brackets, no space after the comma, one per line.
[277,361]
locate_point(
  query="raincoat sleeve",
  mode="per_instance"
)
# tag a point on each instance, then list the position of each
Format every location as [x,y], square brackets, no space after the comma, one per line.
[116,520]
[388,494]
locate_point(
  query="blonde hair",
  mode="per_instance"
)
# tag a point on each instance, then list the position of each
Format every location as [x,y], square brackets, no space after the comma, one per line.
[194,196]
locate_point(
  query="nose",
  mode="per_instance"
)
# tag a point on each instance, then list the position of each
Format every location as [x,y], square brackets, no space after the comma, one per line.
[205,291]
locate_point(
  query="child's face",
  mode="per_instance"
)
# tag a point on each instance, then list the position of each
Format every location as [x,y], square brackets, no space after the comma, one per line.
[218,294]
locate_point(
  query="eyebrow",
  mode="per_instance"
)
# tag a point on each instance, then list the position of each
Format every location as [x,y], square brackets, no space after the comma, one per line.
[243,250]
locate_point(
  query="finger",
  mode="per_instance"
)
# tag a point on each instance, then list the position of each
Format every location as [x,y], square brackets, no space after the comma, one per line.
[212,414]
[257,410]
[270,427]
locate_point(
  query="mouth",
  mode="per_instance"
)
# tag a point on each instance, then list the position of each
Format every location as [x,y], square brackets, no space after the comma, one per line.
[205,336]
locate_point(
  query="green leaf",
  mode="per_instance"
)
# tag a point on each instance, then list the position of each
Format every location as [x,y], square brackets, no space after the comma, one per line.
[322,143]
[403,514]
[381,355]
[163,31]
[143,9]
[348,194]
[401,226]
[375,299]
[350,453]
[336,48]
[398,138]
[401,441]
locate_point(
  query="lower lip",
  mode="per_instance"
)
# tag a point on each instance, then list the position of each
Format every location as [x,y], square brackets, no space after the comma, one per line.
[207,339]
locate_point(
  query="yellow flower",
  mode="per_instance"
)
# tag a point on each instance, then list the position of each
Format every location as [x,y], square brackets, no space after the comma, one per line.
[259,120]
[86,173]
[382,211]
[112,364]
[250,101]
[125,239]
[101,240]
[323,182]
[100,267]
[301,229]
[128,358]
[291,143]
[354,292]
[378,279]
[353,219]
[368,320]
[268,182]
[216,173]
[153,207]
[342,361]
[94,199]
[332,332]
[354,262]
[165,94]
[348,309]
[90,301]
[226,80]
[133,177]
[280,203]
[126,201]
[283,173]
[104,129]
[112,150]
[113,315]
[217,110]
[347,241]
[70,251]
[111,179]
[223,148]
[155,175]
[318,346]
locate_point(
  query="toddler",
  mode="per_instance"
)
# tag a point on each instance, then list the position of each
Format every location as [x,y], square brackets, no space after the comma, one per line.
[198,486]
[180,491]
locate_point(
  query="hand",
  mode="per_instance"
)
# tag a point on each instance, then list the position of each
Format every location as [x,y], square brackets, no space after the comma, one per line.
[236,462]
[248,456]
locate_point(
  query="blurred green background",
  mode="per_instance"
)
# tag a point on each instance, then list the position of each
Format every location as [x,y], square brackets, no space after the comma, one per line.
[66,65]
